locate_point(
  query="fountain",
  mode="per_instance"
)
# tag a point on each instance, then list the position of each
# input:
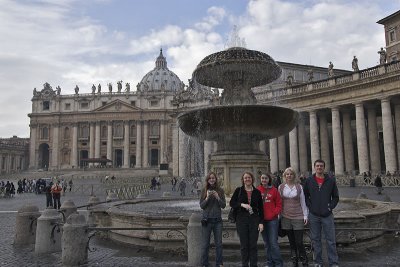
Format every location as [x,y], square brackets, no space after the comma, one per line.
[238,124]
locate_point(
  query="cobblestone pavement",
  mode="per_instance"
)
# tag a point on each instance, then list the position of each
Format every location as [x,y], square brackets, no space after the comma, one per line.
[109,254]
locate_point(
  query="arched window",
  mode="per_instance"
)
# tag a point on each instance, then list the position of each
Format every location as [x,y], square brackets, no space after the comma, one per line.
[45,133]
[66,133]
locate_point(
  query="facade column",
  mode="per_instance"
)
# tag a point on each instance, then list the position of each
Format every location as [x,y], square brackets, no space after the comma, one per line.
[388,136]
[303,158]
[32,148]
[374,153]
[294,150]
[138,144]
[263,146]
[314,139]
[337,142]
[126,145]
[348,142]
[273,154]
[55,148]
[163,152]
[362,145]
[110,140]
[397,125]
[97,141]
[207,153]
[282,152]
[175,150]
[145,144]
[91,141]
[74,150]
[324,138]
[182,153]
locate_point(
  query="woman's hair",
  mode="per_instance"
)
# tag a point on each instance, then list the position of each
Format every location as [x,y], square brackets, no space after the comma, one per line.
[252,177]
[207,185]
[290,169]
[269,178]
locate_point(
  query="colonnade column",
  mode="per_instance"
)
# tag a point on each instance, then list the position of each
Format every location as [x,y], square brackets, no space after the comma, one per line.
[162,143]
[362,145]
[374,153]
[55,147]
[145,144]
[138,144]
[324,138]
[263,146]
[74,151]
[388,136]
[182,154]
[126,144]
[91,141]
[282,152]
[294,150]
[397,125]
[97,141]
[273,154]
[303,158]
[207,152]
[348,142]
[337,142]
[32,148]
[314,139]
[175,150]
[109,140]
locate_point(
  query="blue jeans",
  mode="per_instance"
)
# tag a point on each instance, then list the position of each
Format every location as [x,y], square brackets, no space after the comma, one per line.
[213,225]
[270,237]
[318,223]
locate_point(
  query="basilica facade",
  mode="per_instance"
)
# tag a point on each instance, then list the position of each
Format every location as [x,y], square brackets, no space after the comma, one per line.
[351,119]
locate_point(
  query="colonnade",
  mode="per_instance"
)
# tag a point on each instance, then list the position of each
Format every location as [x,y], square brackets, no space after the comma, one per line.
[11,161]
[331,137]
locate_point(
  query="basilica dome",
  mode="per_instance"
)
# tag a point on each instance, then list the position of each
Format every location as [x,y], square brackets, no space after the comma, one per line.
[160,78]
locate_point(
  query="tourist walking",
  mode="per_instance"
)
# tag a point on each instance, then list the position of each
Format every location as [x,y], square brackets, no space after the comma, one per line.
[248,202]
[49,196]
[322,196]
[294,216]
[182,187]
[272,209]
[56,191]
[174,181]
[71,184]
[212,200]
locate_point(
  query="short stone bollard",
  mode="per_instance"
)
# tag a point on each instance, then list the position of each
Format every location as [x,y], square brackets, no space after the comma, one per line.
[68,208]
[194,240]
[74,241]
[48,234]
[25,225]
[112,197]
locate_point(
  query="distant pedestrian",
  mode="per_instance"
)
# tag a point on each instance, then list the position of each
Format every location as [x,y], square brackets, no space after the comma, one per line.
[182,187]
[56,191]
[174,181]
[49,197]
[71,184]
[378,184]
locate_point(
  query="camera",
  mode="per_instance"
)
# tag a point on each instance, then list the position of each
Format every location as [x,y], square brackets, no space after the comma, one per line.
[251,210]
[204,222]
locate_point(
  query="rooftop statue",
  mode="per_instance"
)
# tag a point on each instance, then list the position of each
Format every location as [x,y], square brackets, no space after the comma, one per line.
[58,88]
[99,88]
[382,56]
[354,64]
[93,89]
[310,74]
[76,89]
[119,86]
[110,88]
[127,87]
[330,69]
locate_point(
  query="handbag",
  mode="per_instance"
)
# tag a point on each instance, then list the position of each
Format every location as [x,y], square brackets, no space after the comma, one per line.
[233,212]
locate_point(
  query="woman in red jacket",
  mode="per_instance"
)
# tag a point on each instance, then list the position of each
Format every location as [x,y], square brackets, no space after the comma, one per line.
[272,208]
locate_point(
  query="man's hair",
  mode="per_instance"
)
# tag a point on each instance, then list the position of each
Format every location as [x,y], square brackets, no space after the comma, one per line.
[319,161]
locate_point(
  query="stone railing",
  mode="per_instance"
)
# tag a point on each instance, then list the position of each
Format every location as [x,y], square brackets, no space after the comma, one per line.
[360,180]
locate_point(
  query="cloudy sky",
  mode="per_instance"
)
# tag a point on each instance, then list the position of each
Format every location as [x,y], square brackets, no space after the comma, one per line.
[75,42]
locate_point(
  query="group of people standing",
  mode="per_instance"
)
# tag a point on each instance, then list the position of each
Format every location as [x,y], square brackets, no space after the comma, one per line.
[261,209]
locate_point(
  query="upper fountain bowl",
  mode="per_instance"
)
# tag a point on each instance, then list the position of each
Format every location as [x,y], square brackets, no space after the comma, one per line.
[254,68]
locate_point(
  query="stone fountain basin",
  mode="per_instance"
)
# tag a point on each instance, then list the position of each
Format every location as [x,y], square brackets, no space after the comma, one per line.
[253,122]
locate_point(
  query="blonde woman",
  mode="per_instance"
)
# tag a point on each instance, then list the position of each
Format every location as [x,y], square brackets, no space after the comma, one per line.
[294,215]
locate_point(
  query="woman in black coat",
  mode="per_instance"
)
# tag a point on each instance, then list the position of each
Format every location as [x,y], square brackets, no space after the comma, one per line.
[247,201]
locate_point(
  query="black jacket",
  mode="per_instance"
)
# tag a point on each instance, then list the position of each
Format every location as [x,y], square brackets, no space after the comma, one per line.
[256,202]
[321,201]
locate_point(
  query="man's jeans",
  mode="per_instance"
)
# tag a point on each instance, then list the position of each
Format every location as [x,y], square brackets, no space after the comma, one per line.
[270,237]
[213,225]
[318,223]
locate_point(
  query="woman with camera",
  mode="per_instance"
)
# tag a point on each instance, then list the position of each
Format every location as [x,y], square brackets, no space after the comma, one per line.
[212,200]
[248,202]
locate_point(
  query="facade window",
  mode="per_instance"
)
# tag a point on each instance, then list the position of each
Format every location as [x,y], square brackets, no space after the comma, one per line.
[66,133]
[118,130]
[154,103]
[104,103]
[67,106]
[133,131]
[104,132]
[392,36]
[154,128]
[154,142]
[84,131]
[46,105]
[45,133]
[84,105]
[133,103]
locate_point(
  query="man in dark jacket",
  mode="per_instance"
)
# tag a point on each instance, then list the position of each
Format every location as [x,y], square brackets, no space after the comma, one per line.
[322,196]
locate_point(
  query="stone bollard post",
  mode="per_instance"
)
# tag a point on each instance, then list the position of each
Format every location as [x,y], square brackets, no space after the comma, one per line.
[25,225]
[45,242]
[74,241]
[194,240]
[68,207]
